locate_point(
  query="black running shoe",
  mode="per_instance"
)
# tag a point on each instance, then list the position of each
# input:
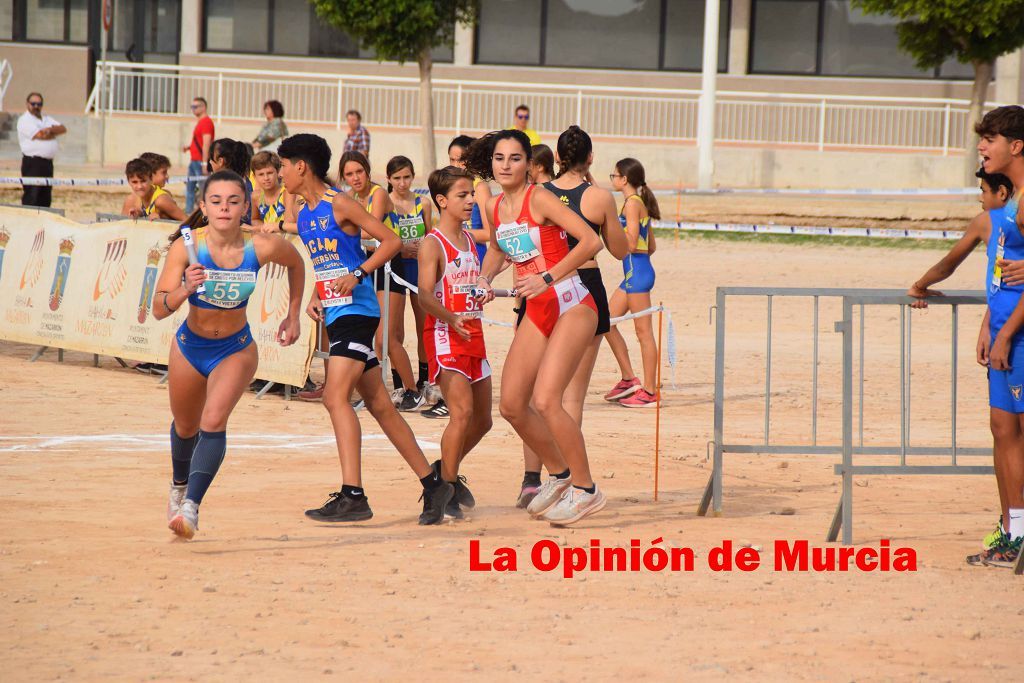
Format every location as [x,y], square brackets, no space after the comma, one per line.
[158,369]
[463,496]
[410,401]
[341,508]
[434,503]
[453,511]
[144,368]
[435,411]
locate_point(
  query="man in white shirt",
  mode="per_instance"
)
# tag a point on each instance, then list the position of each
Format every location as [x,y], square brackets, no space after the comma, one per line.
[37,136]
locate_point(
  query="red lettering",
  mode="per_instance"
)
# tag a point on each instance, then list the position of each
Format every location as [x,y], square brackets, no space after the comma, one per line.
[540,548]
[791,558]
[747,559]
[475,565]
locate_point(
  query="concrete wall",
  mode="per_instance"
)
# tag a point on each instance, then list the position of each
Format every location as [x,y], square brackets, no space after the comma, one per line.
[60,73]
[667,165]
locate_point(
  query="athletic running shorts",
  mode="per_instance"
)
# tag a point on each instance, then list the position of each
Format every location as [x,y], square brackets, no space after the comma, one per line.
[351,336]
[205,354]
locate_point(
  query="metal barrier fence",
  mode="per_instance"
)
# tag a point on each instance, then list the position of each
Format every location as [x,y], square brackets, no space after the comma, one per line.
[814,121]
[848,446]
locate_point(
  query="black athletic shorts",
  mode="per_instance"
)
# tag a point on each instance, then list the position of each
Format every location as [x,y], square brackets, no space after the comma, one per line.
[397,268]
[351,336]
[591,279]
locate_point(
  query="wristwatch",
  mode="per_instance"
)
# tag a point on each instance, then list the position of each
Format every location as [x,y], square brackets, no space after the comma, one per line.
[546,276]
[359,274]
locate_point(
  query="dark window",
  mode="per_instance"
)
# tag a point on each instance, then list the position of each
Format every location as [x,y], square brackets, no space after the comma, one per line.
[831,38]
[49,21]
[501,20]
[6,19]
[237,25]
[786,39]
[684,35]
[618,34]
[281,27]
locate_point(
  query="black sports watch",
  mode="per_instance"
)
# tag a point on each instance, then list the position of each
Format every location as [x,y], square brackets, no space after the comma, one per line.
[546,276]
[359,274]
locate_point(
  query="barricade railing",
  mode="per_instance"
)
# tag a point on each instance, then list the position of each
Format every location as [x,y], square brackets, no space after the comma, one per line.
[851,442]
[801,119]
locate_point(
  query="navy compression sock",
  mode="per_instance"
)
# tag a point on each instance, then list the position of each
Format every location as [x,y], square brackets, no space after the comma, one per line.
[181,455]
[206,460]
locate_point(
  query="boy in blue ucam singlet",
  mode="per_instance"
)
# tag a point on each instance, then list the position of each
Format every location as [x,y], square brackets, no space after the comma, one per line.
[330,225]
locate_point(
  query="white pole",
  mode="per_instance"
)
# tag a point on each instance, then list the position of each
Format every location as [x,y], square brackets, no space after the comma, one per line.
[706,111]
[103,85]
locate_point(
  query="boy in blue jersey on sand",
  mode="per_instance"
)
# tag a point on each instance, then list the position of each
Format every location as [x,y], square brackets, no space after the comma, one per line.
[1000,343]
[330,225]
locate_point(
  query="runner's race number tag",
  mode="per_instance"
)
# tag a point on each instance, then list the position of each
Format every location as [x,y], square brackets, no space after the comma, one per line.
[328,297]
[411,229]
[228,288]
[516,241]
[465,303]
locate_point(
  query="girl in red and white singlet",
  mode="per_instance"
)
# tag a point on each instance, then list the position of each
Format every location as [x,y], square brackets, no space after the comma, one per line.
[453,331]
[531,227]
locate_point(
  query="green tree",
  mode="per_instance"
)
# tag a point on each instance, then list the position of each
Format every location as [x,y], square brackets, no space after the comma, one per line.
[403,31]
[973,32]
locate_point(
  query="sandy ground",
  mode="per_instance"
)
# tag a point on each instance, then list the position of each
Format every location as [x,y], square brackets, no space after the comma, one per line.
[92,585]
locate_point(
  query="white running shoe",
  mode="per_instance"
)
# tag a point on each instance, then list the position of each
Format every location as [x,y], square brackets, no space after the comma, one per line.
[186,522]
[549,493]
[175,500]
[432,394]
[574,505]
[396,396]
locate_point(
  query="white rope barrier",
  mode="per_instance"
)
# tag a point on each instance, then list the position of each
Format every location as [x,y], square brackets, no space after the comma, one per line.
[860,191]
[884,233]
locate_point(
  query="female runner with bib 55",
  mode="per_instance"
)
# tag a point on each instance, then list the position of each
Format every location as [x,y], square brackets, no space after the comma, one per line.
[213,357]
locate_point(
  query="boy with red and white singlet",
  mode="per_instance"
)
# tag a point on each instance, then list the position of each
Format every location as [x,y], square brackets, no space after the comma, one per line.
[453,329]
[446,349]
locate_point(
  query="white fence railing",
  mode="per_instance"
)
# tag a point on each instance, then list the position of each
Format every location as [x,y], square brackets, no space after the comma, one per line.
[813,121]
[6,74]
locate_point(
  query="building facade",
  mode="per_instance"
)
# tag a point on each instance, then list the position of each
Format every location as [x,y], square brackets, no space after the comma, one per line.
[766,49]
[778,45]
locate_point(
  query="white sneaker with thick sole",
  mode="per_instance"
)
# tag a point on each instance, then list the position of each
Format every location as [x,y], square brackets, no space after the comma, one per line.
[549,493]
[574,505]
[174,501]
[186,523]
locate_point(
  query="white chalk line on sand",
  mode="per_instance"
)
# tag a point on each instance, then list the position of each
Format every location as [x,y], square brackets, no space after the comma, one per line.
[128,443]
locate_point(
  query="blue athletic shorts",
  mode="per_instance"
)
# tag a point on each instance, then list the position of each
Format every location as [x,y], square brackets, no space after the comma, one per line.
[1006,387]
[639,274]
[205,354]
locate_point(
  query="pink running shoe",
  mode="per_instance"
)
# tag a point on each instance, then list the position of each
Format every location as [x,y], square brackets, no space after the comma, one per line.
[625,387]
[641,399]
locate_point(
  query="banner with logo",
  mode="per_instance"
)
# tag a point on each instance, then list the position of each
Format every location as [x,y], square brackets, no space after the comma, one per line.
[90,288]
